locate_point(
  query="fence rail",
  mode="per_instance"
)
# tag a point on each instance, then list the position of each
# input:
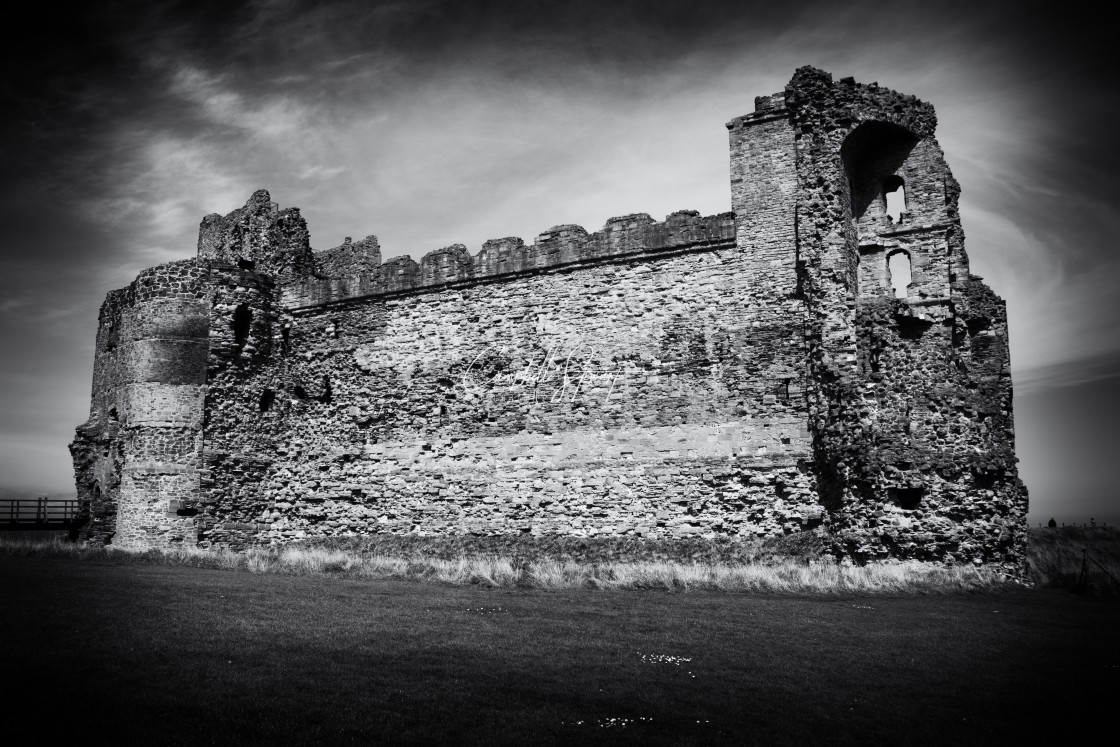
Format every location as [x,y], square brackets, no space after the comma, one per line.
[39,513]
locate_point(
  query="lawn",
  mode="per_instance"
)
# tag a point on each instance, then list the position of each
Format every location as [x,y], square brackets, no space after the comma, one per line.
[177,655]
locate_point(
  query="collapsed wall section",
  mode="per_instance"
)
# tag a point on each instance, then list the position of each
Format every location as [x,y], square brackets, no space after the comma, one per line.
[910,395]
[260,236]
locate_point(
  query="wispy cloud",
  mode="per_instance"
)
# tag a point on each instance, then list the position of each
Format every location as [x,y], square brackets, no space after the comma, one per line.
[269,117]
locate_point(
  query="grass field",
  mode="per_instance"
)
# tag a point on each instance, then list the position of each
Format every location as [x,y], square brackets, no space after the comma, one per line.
[1084,559]
[149,653]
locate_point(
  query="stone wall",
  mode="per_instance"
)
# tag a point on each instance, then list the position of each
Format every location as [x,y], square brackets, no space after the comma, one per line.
[734,376]
[656,396]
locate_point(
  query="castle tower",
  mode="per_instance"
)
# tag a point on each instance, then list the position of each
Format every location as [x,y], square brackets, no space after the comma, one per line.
[910,398]
[163,345]
[764,184]
[139,452]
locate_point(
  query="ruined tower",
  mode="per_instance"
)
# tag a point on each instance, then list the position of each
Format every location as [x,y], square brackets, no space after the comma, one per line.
[819,358]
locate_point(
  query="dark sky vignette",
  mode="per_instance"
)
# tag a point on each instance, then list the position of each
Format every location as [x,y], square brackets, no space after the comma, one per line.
[430,123]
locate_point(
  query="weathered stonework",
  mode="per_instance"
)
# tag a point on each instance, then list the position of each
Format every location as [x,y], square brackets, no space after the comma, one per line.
[734,376]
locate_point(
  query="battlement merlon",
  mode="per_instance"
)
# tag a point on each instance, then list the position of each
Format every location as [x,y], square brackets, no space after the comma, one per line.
[349,258]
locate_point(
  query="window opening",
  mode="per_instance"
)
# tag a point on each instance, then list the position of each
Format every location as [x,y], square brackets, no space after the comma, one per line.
[112,336]
[898,266]
[894,192]
[242,319]
[908,499]
[267,398]
[872,154]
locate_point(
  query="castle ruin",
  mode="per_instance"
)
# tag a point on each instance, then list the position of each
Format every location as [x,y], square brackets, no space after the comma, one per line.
[818,357]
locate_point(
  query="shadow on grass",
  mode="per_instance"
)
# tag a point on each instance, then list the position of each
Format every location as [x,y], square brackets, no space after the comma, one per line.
[150,652]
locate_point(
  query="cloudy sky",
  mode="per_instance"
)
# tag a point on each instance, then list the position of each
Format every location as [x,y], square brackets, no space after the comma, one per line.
[437,122]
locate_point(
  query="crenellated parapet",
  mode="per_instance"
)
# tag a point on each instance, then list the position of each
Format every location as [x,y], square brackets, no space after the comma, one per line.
[559,248]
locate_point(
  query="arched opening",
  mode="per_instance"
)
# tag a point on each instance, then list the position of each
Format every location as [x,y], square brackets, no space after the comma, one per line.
[894,193]
[242,320]
[267,398]
[898,268]
[872,153]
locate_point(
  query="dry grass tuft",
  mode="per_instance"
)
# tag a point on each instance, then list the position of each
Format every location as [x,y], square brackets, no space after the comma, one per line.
[787,577]
[773,575]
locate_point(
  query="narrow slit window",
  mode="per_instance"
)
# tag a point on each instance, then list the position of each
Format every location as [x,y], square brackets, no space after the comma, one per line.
[898,266]
[242,320]
[894,192]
